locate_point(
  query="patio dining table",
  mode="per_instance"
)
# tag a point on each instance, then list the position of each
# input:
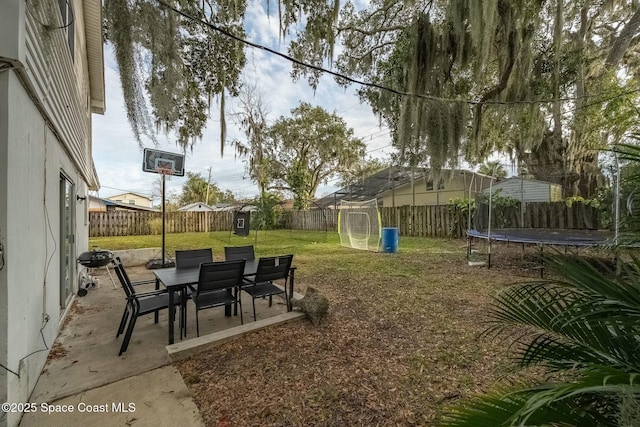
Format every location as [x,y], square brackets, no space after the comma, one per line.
[176,280]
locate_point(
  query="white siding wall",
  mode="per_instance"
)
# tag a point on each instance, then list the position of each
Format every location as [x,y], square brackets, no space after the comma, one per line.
[525,190]
[32,252]
[34,150]
[4,313]
[64,92]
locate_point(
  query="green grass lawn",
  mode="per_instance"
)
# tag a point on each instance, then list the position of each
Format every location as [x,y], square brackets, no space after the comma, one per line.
[265,242]
[401,341]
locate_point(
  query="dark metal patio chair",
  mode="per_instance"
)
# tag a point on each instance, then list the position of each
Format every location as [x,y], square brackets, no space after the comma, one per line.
[191,258]
[138,304]
[233,253]
[117,262]
[218,285]
[269,270]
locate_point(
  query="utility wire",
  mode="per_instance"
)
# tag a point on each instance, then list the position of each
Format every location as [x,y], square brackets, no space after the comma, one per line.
[375,85]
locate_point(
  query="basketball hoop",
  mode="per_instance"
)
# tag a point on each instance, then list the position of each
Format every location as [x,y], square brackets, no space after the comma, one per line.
[165,171]
[165,164]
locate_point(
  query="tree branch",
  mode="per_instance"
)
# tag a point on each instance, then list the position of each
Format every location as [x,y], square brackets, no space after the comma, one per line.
[622,43]
[502,83]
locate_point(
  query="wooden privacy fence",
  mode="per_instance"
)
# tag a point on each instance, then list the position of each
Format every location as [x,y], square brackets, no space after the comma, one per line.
[424,221]
[133,223]
[555,215]
[313,220]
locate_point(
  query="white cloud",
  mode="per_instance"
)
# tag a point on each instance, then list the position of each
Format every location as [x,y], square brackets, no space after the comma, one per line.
[118,158]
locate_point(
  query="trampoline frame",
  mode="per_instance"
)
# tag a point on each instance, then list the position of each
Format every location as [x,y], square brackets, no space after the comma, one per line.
[541,237]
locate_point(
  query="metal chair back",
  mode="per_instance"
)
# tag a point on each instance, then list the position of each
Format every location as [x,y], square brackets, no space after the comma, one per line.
[233,253]
[216,276]
[273,268]
[191,258]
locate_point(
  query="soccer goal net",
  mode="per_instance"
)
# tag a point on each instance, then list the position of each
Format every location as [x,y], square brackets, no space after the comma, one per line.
[359,225]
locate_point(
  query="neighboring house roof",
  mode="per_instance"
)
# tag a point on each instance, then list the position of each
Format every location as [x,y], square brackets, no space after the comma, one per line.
[373,186]
[143,196]
[444,174]
[196,207]
[127,206]
[129,192]
[228,207]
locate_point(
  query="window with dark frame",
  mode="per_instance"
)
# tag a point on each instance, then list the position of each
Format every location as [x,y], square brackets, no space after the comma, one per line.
[430,184]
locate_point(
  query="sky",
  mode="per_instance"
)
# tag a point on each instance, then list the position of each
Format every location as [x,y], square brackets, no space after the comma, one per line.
[118,157]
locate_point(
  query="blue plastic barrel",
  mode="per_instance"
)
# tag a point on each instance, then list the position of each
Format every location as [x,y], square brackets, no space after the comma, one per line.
[390,240]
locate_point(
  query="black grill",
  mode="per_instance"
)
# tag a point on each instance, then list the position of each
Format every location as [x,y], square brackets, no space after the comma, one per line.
[95,259]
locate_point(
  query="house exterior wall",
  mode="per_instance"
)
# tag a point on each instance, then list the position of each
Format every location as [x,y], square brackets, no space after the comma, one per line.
[45,129]
[454,186]
[96,205]
[527,190]
[126,198]
[4,313]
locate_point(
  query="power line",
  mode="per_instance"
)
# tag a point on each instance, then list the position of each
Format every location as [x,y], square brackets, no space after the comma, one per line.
[379,148]
[381,128]
[378,86]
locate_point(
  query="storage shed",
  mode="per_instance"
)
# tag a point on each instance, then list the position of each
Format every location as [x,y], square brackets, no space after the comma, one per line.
[196,207]
[528,190]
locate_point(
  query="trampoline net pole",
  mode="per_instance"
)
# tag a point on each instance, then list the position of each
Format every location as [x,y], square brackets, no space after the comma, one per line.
[469,219]
[489,225]
[617,204]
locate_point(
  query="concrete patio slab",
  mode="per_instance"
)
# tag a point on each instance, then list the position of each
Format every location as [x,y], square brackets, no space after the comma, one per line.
[155,398]
[187,348]
[84,366]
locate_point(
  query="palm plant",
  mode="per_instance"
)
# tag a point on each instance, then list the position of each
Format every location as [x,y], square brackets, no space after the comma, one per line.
[585,324]
[588,324]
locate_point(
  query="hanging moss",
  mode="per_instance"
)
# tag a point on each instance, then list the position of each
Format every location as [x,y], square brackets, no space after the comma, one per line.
[180,63]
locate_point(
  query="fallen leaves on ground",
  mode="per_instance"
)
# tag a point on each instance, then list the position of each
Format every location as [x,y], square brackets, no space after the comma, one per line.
[401,341]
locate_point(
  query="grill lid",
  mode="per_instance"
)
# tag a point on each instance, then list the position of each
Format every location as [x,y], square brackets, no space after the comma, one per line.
[95,258]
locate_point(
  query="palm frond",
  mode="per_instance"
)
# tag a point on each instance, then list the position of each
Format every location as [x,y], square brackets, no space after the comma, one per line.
[587,317]
[499,409]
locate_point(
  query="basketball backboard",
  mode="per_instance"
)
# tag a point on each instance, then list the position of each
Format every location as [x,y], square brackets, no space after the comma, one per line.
[157,161]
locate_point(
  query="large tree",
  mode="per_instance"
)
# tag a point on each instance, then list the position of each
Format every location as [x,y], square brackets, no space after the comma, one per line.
[178,63]
[197,189]
[251,117]
[549,81]
[308,148]
[536,78]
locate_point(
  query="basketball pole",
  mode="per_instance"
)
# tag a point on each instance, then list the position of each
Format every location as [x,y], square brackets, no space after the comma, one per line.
[163,216]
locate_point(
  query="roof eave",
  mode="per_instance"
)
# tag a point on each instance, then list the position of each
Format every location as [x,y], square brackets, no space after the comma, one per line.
[95,54]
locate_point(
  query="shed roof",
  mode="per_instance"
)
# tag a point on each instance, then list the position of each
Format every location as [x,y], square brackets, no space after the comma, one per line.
[197,205]
[517,178]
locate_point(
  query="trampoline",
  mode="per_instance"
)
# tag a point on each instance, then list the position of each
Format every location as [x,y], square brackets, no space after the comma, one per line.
[542,236]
